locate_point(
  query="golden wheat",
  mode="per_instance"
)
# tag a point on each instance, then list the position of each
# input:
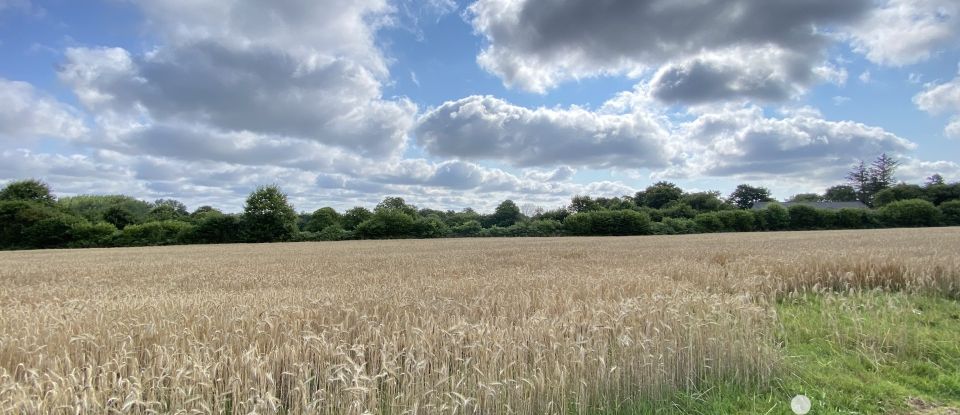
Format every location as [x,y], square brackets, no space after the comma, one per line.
[526,326]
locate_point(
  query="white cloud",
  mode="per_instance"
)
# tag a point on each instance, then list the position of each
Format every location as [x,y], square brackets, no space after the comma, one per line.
[487,128]
[942,99]
[27,114]
[903,32]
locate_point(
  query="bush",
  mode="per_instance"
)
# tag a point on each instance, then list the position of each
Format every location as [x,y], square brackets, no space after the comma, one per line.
[951,212]
[678,210]
[852,218]
[17,216]
[608,222]
[216,228]
[803,217]
[910,213]
[386,223]
[710,222]
[168,232]
[776,217]
[87,235]
[469,228]
[660,228]
[737,220]
[430,227]
[680,226]
[53,232]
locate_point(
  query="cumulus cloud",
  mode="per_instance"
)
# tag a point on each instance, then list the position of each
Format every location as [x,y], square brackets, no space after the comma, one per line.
[27,113]
[903,32]
[487,128]
[536,45]
[312,73]
[942,99]
[742,142]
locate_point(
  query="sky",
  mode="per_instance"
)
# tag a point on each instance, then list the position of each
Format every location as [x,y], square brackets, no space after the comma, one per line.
[454,104]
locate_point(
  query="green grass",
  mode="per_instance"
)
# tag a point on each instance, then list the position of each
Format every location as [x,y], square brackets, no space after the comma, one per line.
[857,354]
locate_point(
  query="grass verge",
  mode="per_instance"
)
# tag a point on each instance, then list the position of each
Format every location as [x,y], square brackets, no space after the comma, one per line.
[851,354]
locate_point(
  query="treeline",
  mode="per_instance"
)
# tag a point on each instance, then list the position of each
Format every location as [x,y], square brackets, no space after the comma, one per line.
[32,217]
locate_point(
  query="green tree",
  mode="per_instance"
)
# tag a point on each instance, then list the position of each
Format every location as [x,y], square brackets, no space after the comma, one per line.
[119,216]
[658,195]
[396,203]
[583,204]
[268,217]
[776,217]
[882,173]
[744,196]
[177,206]
[354,217]
[506,214]
[164,212]
[840,193]
[704,201]
[30,190]
[803,217]
[898,192]
[859,179]
[387,223]
[806,197]
[322,218]
[951,212]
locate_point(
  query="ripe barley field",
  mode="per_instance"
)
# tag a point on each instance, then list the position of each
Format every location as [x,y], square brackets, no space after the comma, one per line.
[487,326]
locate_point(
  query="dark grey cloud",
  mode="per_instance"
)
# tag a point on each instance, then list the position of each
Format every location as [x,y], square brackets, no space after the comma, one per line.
[536,45]
[487,128]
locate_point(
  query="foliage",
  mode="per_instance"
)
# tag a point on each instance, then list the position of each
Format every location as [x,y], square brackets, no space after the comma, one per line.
[803,217]
[216,229]
[951,212]
[354,217]
[913,212]
[168,232]
[898,192]
[745,196]
[387,223]
[29,190]
[267,216]
[506,214]
[608,222]
[658,195]
[840,193]
[322,218]
[94,207]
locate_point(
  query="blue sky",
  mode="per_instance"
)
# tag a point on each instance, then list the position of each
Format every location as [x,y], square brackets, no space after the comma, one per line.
[454,104]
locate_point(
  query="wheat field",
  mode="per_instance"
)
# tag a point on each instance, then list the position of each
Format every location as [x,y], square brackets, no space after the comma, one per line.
[525,325]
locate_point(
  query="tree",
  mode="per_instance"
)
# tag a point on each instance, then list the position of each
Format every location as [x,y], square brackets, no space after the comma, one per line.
[859,178]
[506,214]
[323,218]
[658,195]
[396,203]
[30,190]
[704,201]
[204,212]
[387,223]
[935,179]
[164,212]
[354,217]
[745,196]
[806,197]
[951,212]
[840,193]
[176,206]
[898,192]
[268,217]
[119,216]
[881,173]
[582,204]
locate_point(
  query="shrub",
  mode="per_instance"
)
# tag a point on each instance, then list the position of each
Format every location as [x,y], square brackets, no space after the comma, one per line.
[680,225]
[803,217]
[951,212]
[469,228]
[386,223]
[430,227]
[52,232]
[608,222]
[737,220]
[155,233]
[852,218]
[216,228]
[678,210]
[710,222]
[660,228]
[87,235]
[17,216]
[776,217]
[910,213]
